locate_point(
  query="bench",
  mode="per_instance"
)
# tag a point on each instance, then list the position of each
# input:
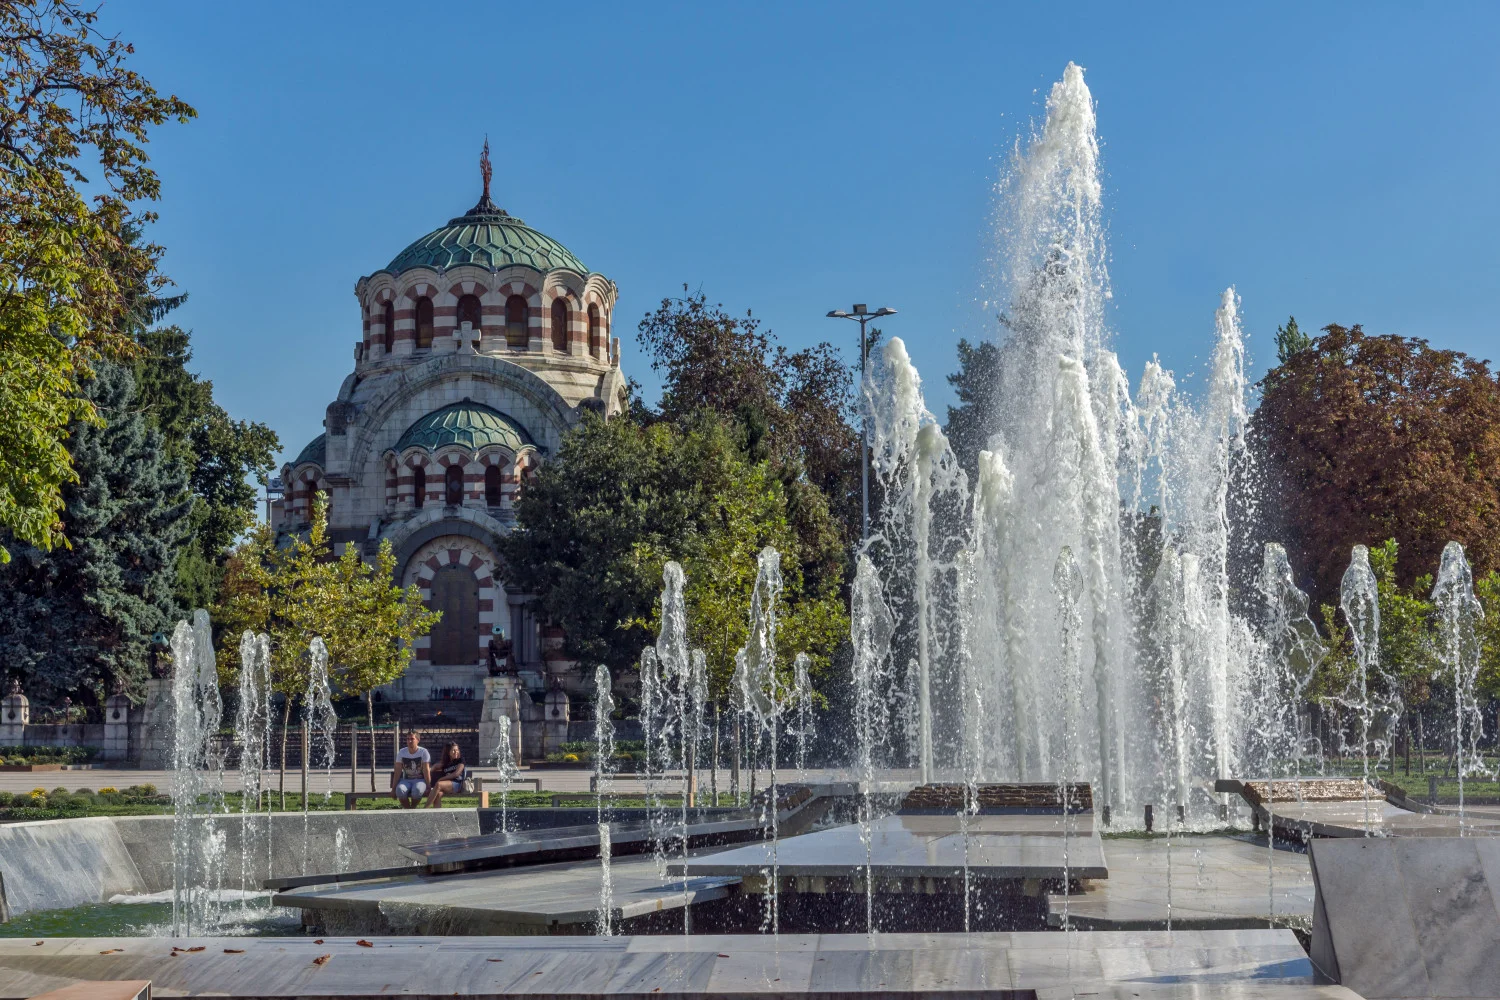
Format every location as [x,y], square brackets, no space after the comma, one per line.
[482,788]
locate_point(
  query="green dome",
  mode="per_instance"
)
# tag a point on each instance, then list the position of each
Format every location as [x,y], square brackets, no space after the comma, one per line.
[472,425]
[316,452]
[489,237]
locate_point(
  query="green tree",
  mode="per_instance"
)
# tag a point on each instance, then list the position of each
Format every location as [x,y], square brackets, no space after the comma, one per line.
[975,419]
[371,644]
[67,100]
[79,619]
[719,559]
[289,592]
[793,409]
[615,490]
[1290,340]
[222,454]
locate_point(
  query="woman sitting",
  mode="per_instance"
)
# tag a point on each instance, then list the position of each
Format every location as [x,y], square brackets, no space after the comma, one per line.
[448,777]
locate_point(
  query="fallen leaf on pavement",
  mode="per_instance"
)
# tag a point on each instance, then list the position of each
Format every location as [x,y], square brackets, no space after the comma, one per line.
[364,944]
[234,951]
[321,959]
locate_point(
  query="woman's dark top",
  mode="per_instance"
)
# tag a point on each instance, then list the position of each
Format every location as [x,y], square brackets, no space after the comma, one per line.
[452,771]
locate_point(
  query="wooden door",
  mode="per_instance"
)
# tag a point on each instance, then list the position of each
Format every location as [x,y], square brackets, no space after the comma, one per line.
[455,639]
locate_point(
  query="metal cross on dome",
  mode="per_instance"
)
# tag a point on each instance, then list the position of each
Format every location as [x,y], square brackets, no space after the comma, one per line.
[486,171]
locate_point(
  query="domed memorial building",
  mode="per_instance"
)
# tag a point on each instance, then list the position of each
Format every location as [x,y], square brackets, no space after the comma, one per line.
[482,343]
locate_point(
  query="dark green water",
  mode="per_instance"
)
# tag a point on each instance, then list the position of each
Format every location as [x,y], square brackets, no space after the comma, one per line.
[141,920]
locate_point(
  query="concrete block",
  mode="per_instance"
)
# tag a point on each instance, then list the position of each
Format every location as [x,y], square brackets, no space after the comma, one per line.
[1414,917]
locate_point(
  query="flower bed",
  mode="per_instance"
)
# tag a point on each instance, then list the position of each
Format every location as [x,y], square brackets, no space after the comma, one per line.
[44,758]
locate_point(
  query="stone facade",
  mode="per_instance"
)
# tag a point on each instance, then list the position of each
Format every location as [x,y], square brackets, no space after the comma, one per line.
[480,346]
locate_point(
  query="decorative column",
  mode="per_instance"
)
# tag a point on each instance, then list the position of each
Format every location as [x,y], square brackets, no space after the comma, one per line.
[555,717]
[154,736]
[502,700]
[116,728]
[15,716]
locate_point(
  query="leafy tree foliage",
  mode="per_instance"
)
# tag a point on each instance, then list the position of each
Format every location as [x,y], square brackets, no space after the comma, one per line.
[1290,340]
[221,453]
[80,619]
[974,420]
[622,498]
[66,99]
[1369,437]
[298,591]
[794,408]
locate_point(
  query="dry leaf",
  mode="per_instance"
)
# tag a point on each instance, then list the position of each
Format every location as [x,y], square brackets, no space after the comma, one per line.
[38,944]
[321,959]
[318,941]
[111,951]
[494,960]
[198,948]
[722,955]
[234,951]
[364,944]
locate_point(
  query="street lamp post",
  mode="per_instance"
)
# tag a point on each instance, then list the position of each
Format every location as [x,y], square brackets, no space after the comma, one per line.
[861,314]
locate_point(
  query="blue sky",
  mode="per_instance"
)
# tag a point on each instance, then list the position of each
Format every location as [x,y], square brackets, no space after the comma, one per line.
[1336,162]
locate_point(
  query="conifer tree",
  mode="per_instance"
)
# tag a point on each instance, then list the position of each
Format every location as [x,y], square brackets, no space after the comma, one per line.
[79,619]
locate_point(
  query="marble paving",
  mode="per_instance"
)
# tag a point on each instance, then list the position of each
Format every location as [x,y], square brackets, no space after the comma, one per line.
[1200,964]
[1216,882]
[539,899]
[1417,917]
[1016,846]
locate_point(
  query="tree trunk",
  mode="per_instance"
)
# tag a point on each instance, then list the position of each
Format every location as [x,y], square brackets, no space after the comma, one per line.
[1421,746]
[370,707]
[734,759]
[286,715]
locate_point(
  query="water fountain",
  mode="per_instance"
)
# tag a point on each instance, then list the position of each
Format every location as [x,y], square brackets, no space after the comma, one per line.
[761,692]
[1459,614]
[319,724]
[1359,597]
[252,729]
[197,779]
[604,752]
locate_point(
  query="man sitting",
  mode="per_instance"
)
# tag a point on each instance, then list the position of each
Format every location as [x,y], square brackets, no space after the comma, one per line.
[413,772]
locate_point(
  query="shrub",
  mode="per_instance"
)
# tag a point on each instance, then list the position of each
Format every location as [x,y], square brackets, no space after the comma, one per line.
[5,799]
[109,790]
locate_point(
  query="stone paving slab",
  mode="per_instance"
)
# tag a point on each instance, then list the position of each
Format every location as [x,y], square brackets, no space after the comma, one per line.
[539,899]
[1399,918]
[926,846]
[1199,963]
[1216,882]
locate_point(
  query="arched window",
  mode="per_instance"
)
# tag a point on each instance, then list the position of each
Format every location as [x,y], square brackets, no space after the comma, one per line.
[493,486]
[424,322]
[594,345]
[516,313]
[390,327]
[560,324]
[468,311]
[418,486]
[453,486]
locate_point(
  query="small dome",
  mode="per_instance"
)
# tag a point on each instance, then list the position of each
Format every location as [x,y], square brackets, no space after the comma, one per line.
[316,452]
[489,237]
[472,425]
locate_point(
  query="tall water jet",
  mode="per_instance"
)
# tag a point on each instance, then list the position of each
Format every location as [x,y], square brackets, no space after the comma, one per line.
[604,752]
[1359,597]
[1293,649]
[197,779]
[920,478]
[1067,583]
[252,728]
[762,695]
[320,725]
[505,763]
[1459,615]
[802,699]
[674,663]
[870,629]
